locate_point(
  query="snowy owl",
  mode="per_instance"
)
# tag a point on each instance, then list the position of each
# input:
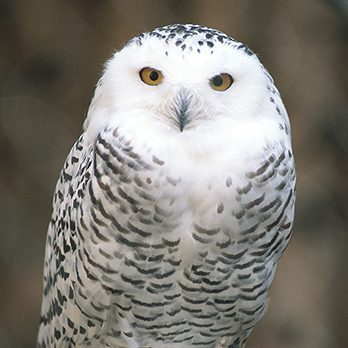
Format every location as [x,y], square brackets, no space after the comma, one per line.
[175,204]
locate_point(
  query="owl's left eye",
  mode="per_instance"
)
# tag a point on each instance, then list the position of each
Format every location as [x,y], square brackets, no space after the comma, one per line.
[151,76]
[221,82]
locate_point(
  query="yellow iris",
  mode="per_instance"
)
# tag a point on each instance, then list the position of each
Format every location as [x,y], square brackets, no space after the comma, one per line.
[221,82]
[151,76]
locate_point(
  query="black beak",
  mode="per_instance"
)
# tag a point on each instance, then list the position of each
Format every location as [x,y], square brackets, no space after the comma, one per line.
[181,107]
[182,117]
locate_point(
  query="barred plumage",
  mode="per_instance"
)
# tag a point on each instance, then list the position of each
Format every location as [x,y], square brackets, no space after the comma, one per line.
[165,235]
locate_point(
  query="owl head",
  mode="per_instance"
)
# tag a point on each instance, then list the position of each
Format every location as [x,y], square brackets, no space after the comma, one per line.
[185,81]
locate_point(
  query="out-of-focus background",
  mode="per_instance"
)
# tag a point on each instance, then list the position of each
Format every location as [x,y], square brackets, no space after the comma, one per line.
[51,55]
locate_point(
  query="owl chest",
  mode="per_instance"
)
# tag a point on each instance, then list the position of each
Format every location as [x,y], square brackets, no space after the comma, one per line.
[171,247]
[159,237]
[161,218]
[177,270]
[153,207]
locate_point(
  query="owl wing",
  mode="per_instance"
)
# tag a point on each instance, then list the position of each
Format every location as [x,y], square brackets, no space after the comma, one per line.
[61,245]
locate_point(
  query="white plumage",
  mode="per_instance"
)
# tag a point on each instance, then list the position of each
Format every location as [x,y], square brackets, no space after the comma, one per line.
[175,204]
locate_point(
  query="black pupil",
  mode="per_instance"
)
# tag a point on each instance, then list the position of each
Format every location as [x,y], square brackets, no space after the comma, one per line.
[217,81]
[154,75]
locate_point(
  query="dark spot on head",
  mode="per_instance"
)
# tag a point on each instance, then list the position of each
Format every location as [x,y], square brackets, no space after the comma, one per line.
[245,48]
[180,28]
[229,181]
[220,208]
[200,43]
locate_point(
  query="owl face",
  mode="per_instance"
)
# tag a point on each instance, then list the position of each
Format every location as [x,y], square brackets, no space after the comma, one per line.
[180,84]
[185,77]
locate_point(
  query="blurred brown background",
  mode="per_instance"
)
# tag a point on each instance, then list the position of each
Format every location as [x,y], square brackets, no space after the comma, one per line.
[51,55]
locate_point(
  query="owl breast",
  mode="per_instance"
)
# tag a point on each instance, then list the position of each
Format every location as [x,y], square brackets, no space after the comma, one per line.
[177,258]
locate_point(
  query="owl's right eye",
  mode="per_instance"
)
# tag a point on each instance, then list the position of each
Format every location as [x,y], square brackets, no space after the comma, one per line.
[151,76]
